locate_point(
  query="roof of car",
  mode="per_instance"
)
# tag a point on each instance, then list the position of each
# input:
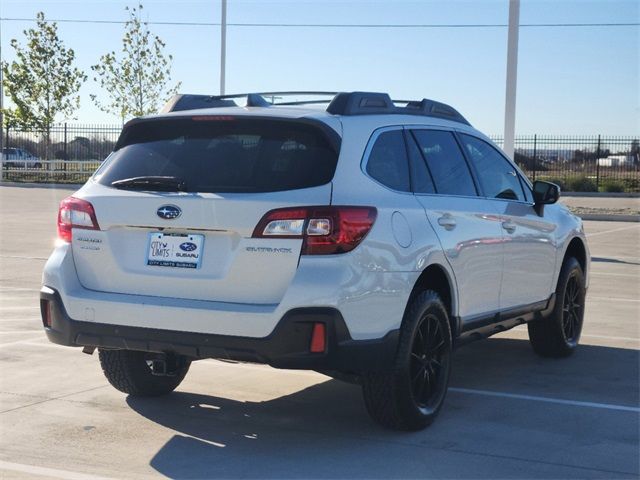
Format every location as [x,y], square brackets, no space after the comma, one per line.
[275,111]
[316,115]
[343,104]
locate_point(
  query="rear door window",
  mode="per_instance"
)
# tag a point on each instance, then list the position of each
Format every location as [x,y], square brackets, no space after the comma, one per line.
[387,162]
[448,168]
[216,154]
[421,179]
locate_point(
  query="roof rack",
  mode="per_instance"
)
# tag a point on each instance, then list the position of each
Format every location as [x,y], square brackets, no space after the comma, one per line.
[343,103]
[182,102]
[369,103]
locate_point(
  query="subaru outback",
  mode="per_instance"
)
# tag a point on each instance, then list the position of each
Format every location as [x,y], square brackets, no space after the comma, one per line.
[365,241]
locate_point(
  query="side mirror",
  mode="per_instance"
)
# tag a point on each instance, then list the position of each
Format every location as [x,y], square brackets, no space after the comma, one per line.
[544,193]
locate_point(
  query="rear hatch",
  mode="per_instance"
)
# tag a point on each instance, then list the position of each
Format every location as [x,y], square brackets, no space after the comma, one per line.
[178,200]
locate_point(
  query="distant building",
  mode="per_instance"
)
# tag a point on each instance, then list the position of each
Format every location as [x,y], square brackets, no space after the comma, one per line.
[615,161]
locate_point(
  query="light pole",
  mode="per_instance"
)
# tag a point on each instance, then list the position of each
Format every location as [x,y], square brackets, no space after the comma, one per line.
[512,78]
[1,109]
[223,45]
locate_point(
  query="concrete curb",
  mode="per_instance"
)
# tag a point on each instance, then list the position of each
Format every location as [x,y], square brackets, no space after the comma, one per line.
[66,186]
[601,194]
[603,217]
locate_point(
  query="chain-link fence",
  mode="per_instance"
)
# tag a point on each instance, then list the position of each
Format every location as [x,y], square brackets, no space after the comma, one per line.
[71,152]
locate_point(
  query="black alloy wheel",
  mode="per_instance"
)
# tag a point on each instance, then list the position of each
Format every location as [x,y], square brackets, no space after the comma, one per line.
[429,359]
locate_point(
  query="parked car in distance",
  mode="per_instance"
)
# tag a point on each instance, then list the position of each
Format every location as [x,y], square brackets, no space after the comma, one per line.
[19,158]
[365,241]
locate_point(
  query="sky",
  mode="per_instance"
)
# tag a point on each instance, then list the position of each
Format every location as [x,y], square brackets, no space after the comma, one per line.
[570,80]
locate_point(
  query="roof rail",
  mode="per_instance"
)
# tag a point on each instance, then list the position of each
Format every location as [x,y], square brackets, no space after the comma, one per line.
[344,103]
[181,102]
[371,103]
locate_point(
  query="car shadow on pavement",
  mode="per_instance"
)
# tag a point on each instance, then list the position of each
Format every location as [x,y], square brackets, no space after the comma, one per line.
[324,430]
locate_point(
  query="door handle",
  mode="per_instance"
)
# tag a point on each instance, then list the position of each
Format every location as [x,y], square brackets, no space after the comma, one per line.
[509,226]
[447,221]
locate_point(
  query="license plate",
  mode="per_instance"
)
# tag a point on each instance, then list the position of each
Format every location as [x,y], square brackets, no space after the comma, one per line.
[175,250]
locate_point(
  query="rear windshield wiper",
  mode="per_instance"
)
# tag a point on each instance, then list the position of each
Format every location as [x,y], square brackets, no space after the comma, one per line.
[163,184]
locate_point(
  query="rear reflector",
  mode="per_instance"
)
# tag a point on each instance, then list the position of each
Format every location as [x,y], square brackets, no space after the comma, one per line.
[318,338]
[75,213]
[324,230]
[45,310]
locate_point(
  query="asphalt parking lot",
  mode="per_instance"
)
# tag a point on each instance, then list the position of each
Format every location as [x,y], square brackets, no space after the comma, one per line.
[509,414]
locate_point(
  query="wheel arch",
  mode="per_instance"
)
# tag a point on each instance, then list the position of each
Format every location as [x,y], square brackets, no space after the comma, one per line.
[577,249]
[437,278]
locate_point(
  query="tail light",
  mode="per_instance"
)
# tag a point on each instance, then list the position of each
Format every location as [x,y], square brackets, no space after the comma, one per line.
[75,213]
[324,230]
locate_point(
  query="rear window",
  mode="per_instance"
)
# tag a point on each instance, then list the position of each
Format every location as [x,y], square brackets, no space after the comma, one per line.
[220,155]
[388,162]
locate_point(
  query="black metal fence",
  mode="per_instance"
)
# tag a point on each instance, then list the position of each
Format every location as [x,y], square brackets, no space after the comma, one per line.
[65,141]
[70,152]
[580,163]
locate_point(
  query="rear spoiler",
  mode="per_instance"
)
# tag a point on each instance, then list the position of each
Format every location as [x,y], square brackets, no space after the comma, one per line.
[182,102]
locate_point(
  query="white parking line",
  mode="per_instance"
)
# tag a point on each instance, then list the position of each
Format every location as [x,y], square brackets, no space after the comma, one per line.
[22,318]
[613,299]
[609,337]
[17,342]
[23,257]
[13,332]
[589,235]
[575,403]
[30,299]
[45,345]
[18,289]
[20,307]
[522,332]
[607,274]
[47,472]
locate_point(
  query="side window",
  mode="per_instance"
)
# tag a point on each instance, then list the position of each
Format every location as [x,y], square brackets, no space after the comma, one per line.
[528,194]
[421,180]
[387,162]
[499,179]
[446,163]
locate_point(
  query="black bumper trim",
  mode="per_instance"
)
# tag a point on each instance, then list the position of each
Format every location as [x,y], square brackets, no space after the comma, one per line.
[286,347]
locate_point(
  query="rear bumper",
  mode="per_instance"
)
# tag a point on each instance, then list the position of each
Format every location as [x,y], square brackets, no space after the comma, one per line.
[286,347]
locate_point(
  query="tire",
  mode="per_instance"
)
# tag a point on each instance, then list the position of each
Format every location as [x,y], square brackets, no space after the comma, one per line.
[410,395]
[558,334]
[128,371]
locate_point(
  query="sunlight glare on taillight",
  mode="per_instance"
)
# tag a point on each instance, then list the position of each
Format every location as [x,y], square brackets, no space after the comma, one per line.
[319,226]
[75,213]
[283,227]
[324,230]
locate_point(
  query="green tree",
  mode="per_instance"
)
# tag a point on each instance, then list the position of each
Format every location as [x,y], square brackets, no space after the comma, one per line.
[42,82]
[137,83]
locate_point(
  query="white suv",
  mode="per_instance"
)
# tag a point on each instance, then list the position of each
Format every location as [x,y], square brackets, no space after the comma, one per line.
[365,241]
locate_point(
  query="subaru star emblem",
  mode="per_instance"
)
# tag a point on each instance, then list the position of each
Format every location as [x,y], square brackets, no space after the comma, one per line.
[188,246]
[169,212]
